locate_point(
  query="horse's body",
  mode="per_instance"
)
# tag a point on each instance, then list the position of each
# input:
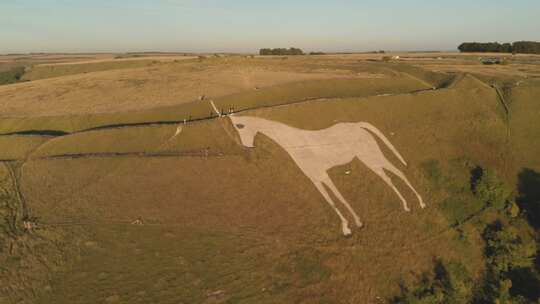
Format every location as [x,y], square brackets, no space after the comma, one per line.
[315,152]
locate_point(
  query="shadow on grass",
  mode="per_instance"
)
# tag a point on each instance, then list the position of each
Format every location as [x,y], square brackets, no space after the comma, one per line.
[529,195]
[525,281]
[528,200]
[476,174]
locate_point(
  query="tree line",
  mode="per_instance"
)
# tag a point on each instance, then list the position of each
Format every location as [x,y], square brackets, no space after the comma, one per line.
[519,47]
[281,51]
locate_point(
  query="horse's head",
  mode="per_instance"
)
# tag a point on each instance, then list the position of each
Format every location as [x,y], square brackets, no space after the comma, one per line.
[245,129]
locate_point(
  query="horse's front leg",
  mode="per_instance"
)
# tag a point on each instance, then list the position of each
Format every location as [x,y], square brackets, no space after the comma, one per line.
[333,188]
[344,223]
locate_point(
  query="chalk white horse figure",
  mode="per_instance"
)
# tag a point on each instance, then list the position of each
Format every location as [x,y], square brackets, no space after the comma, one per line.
[315,152]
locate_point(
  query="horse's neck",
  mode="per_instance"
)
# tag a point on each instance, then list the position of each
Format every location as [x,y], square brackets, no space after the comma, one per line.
[273,129]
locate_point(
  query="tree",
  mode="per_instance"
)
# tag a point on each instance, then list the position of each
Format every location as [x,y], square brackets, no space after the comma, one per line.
[526,47]
[489,189]
[523,47]
[507,249]
[449,284]
[281,52]
[492,47]
[12,75]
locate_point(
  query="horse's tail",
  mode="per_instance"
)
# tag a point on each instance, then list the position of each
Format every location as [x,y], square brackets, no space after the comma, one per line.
[379,134]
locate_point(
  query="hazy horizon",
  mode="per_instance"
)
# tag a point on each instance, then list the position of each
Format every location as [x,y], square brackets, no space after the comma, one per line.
[241,26]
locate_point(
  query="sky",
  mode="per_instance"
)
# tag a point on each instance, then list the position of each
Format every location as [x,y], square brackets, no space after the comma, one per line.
[248,25]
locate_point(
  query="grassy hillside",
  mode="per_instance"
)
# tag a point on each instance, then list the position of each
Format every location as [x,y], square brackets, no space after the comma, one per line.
[71,123]
[334,88]
[163,84]
[524,107]
[138,207]
[265,234]
[28,260]
[19,147]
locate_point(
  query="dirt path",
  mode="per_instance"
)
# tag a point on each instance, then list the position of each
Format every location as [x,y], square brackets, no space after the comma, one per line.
[215,108]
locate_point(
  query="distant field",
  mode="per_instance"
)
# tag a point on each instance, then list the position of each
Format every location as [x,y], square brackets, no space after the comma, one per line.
[149,87]
[123,58]
[57,70]
[50,70]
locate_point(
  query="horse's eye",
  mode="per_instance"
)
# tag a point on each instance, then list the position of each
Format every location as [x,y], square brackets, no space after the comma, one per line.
[240,126]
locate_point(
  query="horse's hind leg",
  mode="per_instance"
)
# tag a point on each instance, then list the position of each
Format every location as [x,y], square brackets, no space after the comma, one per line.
[400,174]
[379,171]
[332,187]
[344,222]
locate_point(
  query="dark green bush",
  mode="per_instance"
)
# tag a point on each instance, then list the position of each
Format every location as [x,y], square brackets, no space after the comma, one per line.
[281,52]
[508,248]
[460,208]
[450,283]
[522,47]
[432,171]
[510,252]
[489,189]
[12,76]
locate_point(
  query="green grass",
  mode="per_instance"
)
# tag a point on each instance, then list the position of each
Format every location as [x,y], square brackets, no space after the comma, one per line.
[163,265]
[459,208]
[330,88]
[148,139]
[433,172]
[524,126]
[12,75]
[454,181]
[26,259]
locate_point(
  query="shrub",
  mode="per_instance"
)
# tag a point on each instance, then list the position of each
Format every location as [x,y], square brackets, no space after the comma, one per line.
[460,208]
[12,76]
[432,171]
[281,52]
[449,284]
[489,189]
[510,252]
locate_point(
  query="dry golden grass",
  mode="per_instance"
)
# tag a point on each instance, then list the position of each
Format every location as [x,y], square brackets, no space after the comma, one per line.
[18,147]
[147,87]
[245,225]
[119,58]
[524,128]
